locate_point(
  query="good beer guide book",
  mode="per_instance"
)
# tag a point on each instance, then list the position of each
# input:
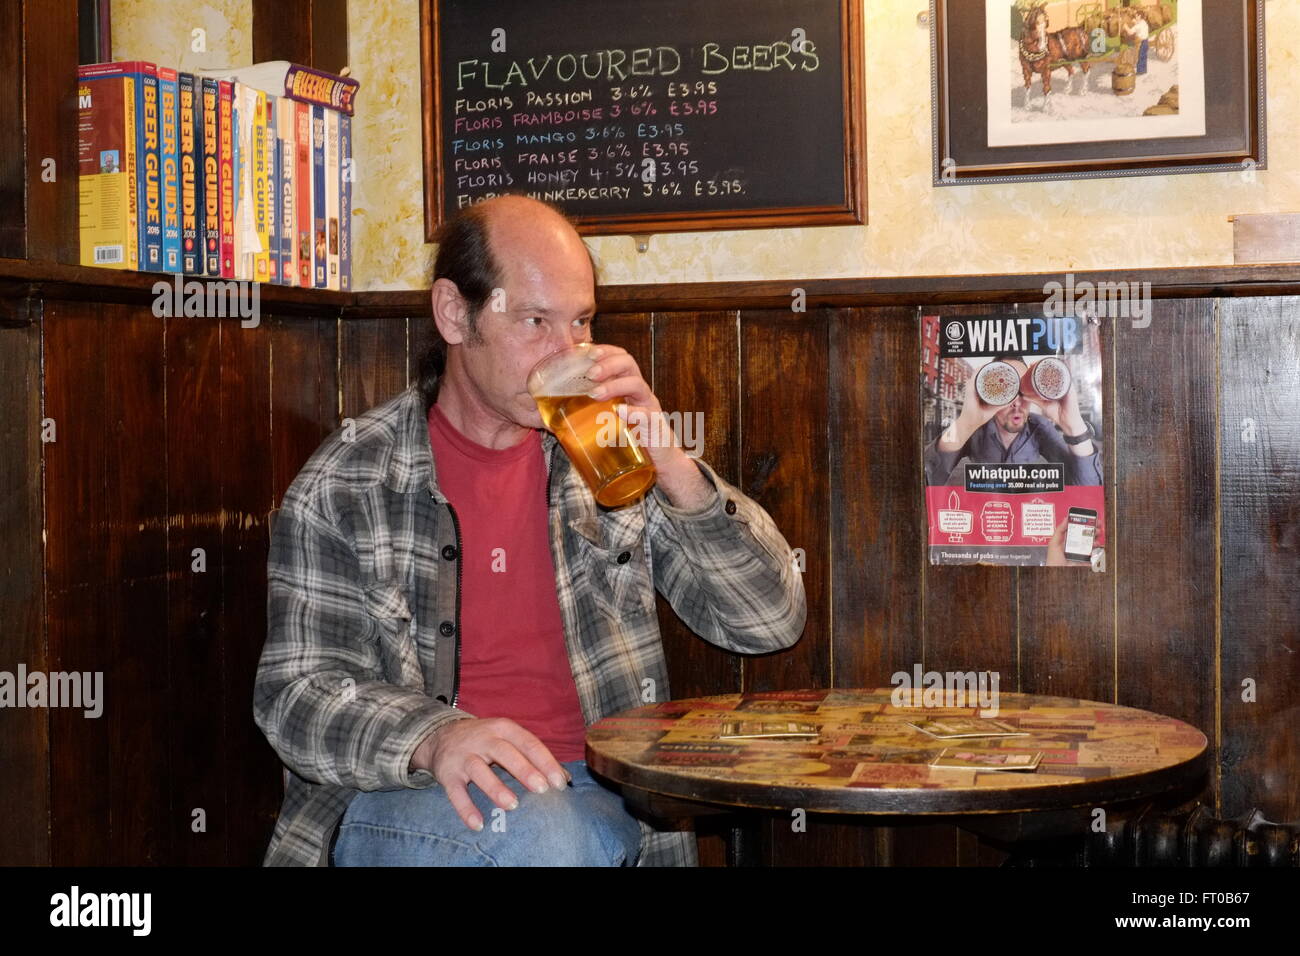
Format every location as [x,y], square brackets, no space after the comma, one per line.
[1011,413]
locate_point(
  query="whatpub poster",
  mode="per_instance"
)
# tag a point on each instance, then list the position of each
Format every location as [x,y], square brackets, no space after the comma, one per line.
[1011,412]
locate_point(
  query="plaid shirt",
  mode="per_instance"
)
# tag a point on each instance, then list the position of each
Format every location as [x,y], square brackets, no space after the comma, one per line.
[360,659]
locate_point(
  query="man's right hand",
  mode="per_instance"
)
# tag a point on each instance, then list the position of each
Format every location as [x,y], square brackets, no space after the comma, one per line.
[464,750]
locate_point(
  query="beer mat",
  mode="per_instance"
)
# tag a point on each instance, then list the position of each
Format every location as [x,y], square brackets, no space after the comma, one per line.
[958,759]
[951,727]
[743,729]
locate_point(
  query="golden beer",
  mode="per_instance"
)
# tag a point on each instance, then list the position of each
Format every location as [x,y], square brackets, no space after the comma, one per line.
[597,441]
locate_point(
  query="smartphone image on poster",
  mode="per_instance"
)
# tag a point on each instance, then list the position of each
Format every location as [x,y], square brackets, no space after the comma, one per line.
[1079,534]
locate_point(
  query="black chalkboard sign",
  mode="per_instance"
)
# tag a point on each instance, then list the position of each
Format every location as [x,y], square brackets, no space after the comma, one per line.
[647,115]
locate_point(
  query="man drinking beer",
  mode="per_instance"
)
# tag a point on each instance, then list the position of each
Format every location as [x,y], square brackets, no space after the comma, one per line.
[449,608]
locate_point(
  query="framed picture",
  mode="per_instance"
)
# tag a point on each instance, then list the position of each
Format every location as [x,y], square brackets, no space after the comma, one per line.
[1077,89]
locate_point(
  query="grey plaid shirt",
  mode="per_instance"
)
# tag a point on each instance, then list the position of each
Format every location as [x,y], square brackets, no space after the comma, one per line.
[360,659]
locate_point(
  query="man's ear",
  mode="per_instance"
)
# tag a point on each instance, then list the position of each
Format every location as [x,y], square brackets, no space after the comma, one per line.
[450,311]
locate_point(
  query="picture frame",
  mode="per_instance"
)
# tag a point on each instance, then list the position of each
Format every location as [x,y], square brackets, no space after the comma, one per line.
[1088,126]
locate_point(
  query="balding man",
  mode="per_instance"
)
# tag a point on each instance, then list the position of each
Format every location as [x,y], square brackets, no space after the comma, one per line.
[449,608]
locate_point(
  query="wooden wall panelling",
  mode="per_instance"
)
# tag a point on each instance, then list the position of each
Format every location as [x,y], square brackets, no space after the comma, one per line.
[256,785]
[304,393]
[785,460]
[200,760]
[77,535]
[135,585]
[968,624]
[877,525]
[50,83]
[13,159]
[372,362]
[1165,510]
[695,369]
[1066,616]
[311,32]
[24,743]
[1260,556]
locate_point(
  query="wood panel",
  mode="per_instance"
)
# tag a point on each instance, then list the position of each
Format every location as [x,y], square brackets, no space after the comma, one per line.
[50,83]
[200,762]
[372,363]
[784,467]
[1165,513]
[304,393]
[1260,556]
[135,584]
[1065,628]
[877,529]
[256,786]
[13,159]
[78,532]
[24,784]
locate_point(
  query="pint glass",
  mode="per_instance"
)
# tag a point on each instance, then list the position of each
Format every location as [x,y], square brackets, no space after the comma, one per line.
[597,441]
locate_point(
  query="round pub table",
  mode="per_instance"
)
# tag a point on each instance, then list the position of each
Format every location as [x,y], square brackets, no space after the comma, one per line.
[673,760]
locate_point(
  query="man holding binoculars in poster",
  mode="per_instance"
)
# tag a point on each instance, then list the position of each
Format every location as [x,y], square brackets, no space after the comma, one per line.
[449,607]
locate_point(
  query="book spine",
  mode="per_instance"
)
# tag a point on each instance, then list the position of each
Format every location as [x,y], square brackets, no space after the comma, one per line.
[332,196]
[273,187]
[245,225]
[169,156]
[102,187]
[345,202]
[303,185]
[211,179]
[131,167]
[151,248]
[191,152]
[287,119]
[261,171]
[226,125]
[320,252]
[320,89]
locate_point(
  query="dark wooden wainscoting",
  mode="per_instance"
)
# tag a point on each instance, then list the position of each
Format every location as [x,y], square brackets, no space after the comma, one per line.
[175,439]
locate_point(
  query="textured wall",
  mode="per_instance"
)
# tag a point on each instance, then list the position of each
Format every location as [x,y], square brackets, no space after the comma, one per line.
[163,32]
[914,228]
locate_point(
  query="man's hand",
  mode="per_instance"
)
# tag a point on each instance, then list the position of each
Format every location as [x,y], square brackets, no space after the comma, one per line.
[1056,547]
[463,751]
[973,416]
[619,377]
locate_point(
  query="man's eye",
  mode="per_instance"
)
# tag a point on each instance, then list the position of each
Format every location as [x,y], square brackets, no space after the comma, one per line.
[583,322]
[534,320]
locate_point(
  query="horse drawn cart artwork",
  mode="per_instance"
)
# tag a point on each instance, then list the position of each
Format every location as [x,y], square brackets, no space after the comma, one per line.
[1063,89]
[1081,71]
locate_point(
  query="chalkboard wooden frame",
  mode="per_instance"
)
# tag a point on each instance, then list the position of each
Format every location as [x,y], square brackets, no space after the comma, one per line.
[851,211]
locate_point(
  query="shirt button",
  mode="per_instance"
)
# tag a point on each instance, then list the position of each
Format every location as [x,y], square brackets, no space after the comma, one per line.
[449,552]
[730,508]
[447,628]
[441,699]
[625,557]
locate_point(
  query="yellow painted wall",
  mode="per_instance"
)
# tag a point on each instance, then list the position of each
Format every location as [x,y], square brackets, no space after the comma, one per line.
[914,228]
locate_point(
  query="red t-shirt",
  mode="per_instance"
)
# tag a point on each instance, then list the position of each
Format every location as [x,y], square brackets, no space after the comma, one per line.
[513,660]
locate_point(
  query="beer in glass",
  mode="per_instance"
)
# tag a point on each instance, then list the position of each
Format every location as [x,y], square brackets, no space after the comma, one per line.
[597,441]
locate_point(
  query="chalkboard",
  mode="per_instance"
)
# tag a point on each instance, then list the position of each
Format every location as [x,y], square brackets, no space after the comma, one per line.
[647,115]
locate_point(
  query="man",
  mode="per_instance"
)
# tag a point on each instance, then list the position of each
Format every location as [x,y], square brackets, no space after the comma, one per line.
[1013,434]
[449,608]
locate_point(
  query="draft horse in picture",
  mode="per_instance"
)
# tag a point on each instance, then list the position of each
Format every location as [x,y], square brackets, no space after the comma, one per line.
[1041,49]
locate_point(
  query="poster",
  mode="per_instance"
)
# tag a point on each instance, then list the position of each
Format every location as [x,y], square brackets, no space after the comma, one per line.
[1011,412]
[1052,78]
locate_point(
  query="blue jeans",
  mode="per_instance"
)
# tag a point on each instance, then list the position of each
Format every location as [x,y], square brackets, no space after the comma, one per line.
[583,825]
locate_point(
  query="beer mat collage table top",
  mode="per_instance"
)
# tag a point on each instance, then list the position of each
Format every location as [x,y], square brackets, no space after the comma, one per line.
[866,743]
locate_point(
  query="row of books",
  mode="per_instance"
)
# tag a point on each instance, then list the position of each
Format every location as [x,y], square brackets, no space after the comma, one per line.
[243,174]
